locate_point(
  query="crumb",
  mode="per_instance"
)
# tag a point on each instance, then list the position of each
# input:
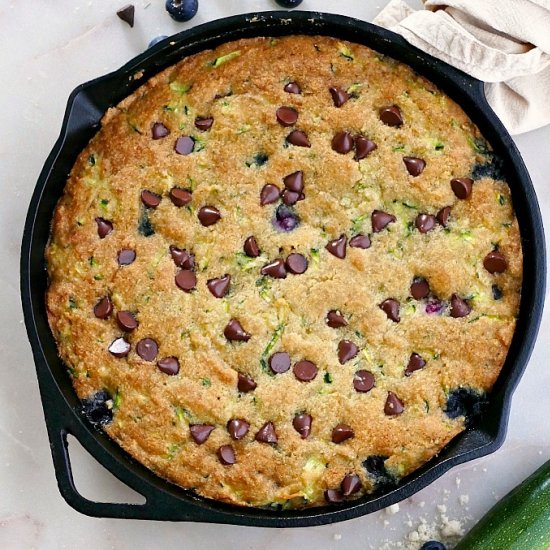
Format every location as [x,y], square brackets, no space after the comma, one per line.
[393,509]
[337,536]
[464,499]
[441,508]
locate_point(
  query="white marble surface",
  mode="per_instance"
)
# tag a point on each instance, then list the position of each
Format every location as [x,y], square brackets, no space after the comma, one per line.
[46,49]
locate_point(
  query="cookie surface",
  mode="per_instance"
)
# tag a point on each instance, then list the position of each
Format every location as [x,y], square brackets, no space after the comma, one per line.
[284,272]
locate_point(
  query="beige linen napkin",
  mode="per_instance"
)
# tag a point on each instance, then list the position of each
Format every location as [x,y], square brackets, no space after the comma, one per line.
[505,43]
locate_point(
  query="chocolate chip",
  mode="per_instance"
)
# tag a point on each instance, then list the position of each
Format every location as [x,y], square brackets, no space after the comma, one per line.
[337,247]
[497,292]
[305,371]
[126,321]
[279,362]
[251,248]
[275,269]
[290,197]
[391,308]
[287,116]
[380,220]
[334,496]
[459,307]
[169,365]
[425,222]
[346,350]
[298,138]
[339,96]
[394,405]
[335,319]
[219,287]
[126,256]
[203,123]
[350,485]
[182,258]
[391,116]
[184,145]
[414,165]
[419,288]
[237,428]
[462,187]
[363,147]
[234,331]
[159,131]
[302,424]
[360,241]
[269,194]
[342,143]
[416,362]
[341,432]
[147,349]
[226,455]
[285,219]
[296,263]
[443,216]
[119,347]
[104,227]
[267,434]
[363,381]
[180,197]
[186,280]
[209,215]
[127,14]
[245,383]
[495,262]
[200,432]
[150,199]
[292,88]
[103,308]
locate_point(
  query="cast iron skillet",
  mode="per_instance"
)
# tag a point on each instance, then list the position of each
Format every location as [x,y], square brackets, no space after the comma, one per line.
[85,108]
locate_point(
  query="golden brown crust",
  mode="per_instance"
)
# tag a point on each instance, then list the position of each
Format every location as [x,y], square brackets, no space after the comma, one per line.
[153,410]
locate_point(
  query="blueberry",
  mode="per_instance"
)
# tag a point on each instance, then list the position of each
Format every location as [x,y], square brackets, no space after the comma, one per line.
[98,409]
[144,225]
[433,545]
[493,168]
[260,159]
[285,218]
[497,292]
[156,40]
[465,402]
[288,3]
[375,467]
[182,10]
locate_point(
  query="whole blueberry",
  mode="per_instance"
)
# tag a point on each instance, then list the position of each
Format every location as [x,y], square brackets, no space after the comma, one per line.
[156,40]
[433,545]
[285,218]
[182,10]
[288,3]
[98,408]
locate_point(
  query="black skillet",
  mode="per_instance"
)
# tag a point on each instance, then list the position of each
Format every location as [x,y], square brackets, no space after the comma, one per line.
[165,501]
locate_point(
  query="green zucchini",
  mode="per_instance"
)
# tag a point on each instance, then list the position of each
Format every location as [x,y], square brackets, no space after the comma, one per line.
[520,521]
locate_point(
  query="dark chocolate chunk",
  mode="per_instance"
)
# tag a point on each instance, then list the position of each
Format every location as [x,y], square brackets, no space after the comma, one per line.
[425,222]
[180,197]
[302,424]
[150,199]
[292,88]
[269,194]
[305,371]
[186,280]
[203,123]
[363,381]
[391,116]
[209,215]
[200,432]
[159,131]
[98,408]
[103,308]
[419,288]
[462,187]
[275,269]
[391,308]
[415,166]
[380,220]
[296,263]
[459,307]
[234,331]
[495,262]
[341,432]
[287,116]
[147,349]
[337,247]
[184,145]
[394,405]
[363,147]
[226,455]
[219,287]
[251,248]
[360,241]
[119,347]
[290,198]
[285,219]
[182,258]
[416,362]
[350,485]
[298,138]
[245,383]
[169,365]
[443,216]
[126,256]
[126,321]
[339,96]
[237,428]
[267,433]
[279,362]
[466,402]
[342,143]
[334,496]
[104,227]
[347,350]
[127,14]
[335,319]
